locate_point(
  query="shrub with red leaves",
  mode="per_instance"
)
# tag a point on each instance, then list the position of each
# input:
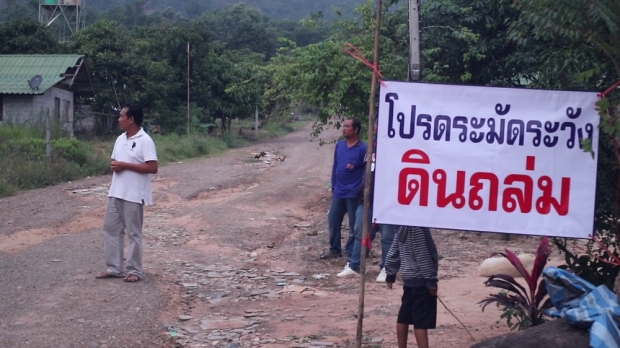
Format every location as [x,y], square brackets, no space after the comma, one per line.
[524,306]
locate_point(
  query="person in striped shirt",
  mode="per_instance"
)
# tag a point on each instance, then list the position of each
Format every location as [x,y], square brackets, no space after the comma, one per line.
[414,254]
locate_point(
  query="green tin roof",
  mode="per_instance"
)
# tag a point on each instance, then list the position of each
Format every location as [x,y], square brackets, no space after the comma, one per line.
[17,70]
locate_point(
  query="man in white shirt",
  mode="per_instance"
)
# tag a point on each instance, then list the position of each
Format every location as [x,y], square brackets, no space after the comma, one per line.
[134,160]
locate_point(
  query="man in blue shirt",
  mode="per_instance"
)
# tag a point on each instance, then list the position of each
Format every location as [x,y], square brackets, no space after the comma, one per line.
[352,268]
[347,179]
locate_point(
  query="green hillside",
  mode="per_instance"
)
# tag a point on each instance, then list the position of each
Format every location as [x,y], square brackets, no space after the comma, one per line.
[276,9]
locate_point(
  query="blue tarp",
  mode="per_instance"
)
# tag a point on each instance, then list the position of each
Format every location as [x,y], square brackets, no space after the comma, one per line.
[584,305]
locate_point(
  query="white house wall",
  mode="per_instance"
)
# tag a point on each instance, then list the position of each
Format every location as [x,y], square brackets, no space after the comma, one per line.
[16,106]
[20,109]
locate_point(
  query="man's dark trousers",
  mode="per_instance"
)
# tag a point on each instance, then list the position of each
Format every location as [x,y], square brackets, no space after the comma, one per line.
[340,207]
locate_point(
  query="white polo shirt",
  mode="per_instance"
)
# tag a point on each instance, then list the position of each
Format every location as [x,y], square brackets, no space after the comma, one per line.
[127,184]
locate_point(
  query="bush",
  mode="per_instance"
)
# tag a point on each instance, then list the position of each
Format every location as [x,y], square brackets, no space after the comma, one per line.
[592,262]
[234,142]
[521,307]
[279,128]
[72,150]
[25,163]
[6,189]
[171,148]
[33,174]
[35,149]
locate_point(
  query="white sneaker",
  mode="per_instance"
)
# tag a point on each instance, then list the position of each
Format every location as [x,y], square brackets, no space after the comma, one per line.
[347,272]
[382,275]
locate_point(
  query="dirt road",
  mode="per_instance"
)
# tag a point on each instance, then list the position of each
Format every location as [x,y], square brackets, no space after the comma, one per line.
[231,248]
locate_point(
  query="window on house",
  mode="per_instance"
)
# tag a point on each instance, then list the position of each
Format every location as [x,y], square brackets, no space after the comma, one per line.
[57,108]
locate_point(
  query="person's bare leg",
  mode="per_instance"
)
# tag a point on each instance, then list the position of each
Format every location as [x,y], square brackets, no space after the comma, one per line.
[421,337]
[402,331]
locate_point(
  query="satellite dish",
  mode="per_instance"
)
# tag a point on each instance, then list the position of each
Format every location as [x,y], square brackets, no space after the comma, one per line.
[35,81]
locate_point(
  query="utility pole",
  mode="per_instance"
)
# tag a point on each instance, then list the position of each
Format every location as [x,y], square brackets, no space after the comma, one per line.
[415,66]
[188,83]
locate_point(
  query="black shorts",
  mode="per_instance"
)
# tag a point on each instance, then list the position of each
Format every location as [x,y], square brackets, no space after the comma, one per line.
[419,308]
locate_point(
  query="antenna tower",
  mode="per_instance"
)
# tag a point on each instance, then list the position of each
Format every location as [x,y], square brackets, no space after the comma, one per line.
[65,17]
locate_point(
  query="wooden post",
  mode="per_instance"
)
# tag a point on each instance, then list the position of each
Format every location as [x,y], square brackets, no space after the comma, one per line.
[48,136]
[70,121]
[188,110]
[368,178]
[256,124]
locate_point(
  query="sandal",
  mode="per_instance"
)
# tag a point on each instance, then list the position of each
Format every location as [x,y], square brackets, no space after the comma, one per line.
[131,278]
[105,275]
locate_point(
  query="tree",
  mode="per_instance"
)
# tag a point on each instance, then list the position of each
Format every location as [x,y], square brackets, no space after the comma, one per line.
[133,14]
[325,76]
[108,50]
[11,10]
[164,46]
[242,27]
[594,24]
[465,41]
[585,36]
[26,36]
[247,87]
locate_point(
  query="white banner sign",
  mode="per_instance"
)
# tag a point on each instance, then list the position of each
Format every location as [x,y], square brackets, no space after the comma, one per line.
[486,159]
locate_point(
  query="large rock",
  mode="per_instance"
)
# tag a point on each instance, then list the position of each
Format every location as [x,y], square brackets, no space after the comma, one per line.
[556,333]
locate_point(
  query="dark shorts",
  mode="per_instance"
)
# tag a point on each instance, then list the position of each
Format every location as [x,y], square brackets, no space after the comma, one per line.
[419,308]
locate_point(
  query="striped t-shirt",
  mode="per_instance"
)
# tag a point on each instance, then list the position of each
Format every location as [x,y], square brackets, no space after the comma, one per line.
[414,254]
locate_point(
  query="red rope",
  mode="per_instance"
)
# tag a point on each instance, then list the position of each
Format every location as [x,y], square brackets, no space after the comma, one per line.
[367,241]
[357,54]
[602,95]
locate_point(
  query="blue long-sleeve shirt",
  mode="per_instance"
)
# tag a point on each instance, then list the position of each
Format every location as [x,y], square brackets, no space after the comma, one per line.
[348,169]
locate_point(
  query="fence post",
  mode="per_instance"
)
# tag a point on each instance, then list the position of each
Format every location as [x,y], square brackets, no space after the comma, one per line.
[256,124]
[48,136]
[70,121]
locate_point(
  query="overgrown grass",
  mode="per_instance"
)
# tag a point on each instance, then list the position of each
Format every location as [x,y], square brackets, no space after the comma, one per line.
[244,129]
[277,127]
[24,164]
[173,148]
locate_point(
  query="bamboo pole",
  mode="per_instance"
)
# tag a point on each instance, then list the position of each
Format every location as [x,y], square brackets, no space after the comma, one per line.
[368,178]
